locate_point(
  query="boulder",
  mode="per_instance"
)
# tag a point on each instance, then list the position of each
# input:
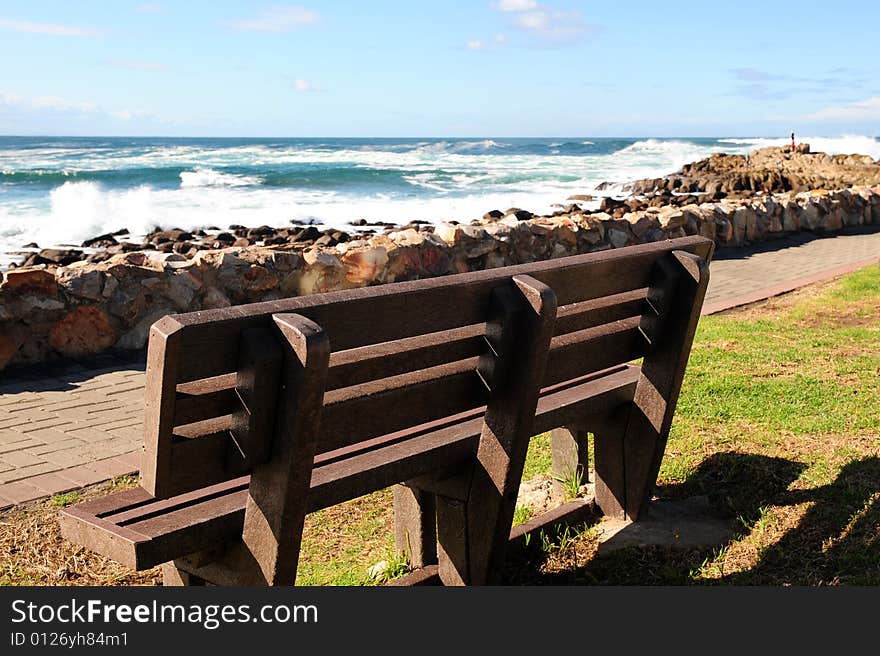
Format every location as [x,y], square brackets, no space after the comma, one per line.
[85,330]
[136,338]
[183,286]
[81,282]
[365,266]
[55,256]
[30,281]
[8,349]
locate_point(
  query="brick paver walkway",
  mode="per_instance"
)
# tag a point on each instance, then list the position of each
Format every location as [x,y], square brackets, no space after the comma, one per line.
[69,425]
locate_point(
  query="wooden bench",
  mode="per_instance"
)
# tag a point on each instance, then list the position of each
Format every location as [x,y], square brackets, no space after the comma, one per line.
[258,414]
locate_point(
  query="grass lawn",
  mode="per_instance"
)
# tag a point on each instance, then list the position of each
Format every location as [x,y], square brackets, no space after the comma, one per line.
[778,424]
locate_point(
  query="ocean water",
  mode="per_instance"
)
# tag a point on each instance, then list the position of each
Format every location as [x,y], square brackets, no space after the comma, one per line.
[61,190]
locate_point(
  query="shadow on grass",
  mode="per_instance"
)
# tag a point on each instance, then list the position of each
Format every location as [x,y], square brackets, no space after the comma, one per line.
[837,541]
[737,486]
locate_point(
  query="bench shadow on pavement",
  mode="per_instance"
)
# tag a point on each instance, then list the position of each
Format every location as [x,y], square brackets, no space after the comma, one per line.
[66,374]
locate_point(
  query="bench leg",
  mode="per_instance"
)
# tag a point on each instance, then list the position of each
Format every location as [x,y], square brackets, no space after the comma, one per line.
[570,455]
[609,432]
[172,575]
[452,537]
[415,525]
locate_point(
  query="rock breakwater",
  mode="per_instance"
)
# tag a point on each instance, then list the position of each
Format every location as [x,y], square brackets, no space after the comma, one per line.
[78,306]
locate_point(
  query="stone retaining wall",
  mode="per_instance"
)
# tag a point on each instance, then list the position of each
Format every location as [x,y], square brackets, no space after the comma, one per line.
[85,308]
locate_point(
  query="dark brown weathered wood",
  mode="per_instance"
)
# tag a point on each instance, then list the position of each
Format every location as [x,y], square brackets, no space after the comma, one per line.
[609,430]
[210,342]
[415,525]
[358,413]
[276,505]
[367,363]
[662,373]
[594,349]
[443,397]
[253,424]
[163,369]
[193,408]
[484,520]
[569,456]
[607,309]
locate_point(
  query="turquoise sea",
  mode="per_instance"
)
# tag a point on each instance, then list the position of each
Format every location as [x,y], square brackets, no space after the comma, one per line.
[62,190]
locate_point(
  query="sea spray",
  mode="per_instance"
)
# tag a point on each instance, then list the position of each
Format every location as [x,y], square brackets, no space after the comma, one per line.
[63,190]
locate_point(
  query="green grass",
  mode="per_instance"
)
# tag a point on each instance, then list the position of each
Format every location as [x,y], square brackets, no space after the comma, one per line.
[777,423]
[66,499]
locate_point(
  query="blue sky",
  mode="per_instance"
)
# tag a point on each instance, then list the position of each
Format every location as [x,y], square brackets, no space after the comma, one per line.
[452,68]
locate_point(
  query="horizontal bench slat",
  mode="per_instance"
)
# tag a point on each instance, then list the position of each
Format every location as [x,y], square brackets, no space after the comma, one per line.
[588,314]
[209,339]
[595,348]
[355,414]
[359,365]
[200,520]
[192,409]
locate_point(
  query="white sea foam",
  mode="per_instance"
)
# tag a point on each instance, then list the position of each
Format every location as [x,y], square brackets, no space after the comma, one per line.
[446,180]
[204,177]
[842,145]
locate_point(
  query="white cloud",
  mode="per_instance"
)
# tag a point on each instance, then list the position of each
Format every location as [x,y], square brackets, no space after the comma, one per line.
[553,25]
[544,23]
[59,105]
[150,67]
[51,29]
[515,5]
[277,19]
[149,8]
[863,110]
[496,41]
[304,86]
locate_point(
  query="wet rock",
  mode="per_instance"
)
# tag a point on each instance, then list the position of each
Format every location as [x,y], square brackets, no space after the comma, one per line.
[60,257]
[101,241]
[521,215]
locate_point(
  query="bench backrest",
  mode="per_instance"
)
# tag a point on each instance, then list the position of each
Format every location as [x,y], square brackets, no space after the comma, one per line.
[400,356]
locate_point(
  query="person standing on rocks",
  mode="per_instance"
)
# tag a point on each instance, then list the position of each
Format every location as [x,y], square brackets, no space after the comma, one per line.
[792,142]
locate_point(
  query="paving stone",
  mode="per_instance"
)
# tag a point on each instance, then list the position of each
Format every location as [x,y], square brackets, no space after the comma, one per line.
[87,418]
[85,474]
[19,445]
[52,483]
[61,445]
[26,472]
[22,458]
[20,491]
[70,457]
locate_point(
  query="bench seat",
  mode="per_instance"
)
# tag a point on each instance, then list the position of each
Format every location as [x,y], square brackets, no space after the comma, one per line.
[139,531]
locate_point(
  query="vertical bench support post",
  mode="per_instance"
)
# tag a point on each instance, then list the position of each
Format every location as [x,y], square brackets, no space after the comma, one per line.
[657,390]
[473,534]
[279,489]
